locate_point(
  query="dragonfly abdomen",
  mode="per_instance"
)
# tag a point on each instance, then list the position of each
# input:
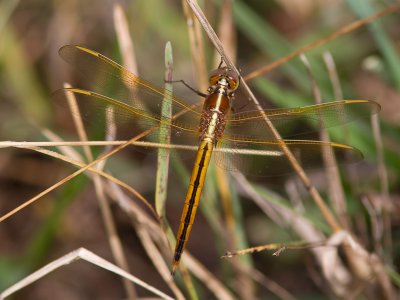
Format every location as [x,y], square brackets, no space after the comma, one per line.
[192,198]
[211,128]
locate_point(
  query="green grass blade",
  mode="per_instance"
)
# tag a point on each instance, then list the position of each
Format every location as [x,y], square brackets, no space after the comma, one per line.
[165,137]
[22,79]
[274,45]
[363,8]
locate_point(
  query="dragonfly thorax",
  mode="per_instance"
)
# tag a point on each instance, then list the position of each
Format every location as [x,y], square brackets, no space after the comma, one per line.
[216,107]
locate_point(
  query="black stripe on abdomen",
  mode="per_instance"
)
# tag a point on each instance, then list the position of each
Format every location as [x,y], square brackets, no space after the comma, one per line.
[196,183]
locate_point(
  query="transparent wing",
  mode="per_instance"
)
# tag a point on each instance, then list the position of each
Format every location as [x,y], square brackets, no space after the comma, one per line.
[136,104]
[131,121]
[296,121]
[114,81]
[250,147]
[248,144]
[254,157]
[262,158]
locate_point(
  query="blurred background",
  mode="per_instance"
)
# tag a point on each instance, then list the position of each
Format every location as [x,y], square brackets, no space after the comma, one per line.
[367,63]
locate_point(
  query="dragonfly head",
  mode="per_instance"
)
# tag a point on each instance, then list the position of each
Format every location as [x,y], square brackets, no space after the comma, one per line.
[225,77]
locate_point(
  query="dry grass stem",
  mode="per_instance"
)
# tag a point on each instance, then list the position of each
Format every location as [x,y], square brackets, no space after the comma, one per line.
[73,256]
[197,47]
[327,257]
[360,263]
[209,280]
[376,222]
[93,163]
[340,32]
[112,235]
[81,165]
[157,234]
[227,32]
[339,261]
[333,75]
[75,155]
[270,285]
[265,206]
[335,187]
[129,61]
[336,193]
[383,279]
[292,191]
[126,206]
[150,232]
[211,33]
[77,119]
[54,141]
[383,177]
[157,259]
[280,247]
[124,39]
[108,219]
[6,144]
[266,282]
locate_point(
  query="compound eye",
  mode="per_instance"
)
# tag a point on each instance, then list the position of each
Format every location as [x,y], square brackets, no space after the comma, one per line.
[231,77]
[233,83]
[214,78]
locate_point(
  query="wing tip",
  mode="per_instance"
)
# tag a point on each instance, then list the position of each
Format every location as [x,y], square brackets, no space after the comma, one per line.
[76,47]
[375,107]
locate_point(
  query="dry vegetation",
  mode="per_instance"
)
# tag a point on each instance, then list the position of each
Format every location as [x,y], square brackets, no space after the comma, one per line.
[333,232]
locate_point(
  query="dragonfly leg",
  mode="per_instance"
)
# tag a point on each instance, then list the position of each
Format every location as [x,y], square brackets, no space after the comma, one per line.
[221,63]
[189,87]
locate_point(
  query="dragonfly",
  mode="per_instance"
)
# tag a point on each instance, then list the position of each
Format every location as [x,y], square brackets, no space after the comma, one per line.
[236,136]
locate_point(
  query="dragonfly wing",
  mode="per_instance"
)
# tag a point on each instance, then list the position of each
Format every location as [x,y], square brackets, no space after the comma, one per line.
[262,158]
[130,121]
[296,121]
[113,80]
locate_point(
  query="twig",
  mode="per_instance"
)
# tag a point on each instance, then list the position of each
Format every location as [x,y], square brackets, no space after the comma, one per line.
[335,190]
[242,151]
[210,281]
[333,75]
[328,259]
[150,233]
[81,165]
[211,33]
[71,257]
[217,287]
[279,247]
[270,284]
[342,31]
[226,31]
[196,46]
[124,39]
[335,187]
[384,186]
